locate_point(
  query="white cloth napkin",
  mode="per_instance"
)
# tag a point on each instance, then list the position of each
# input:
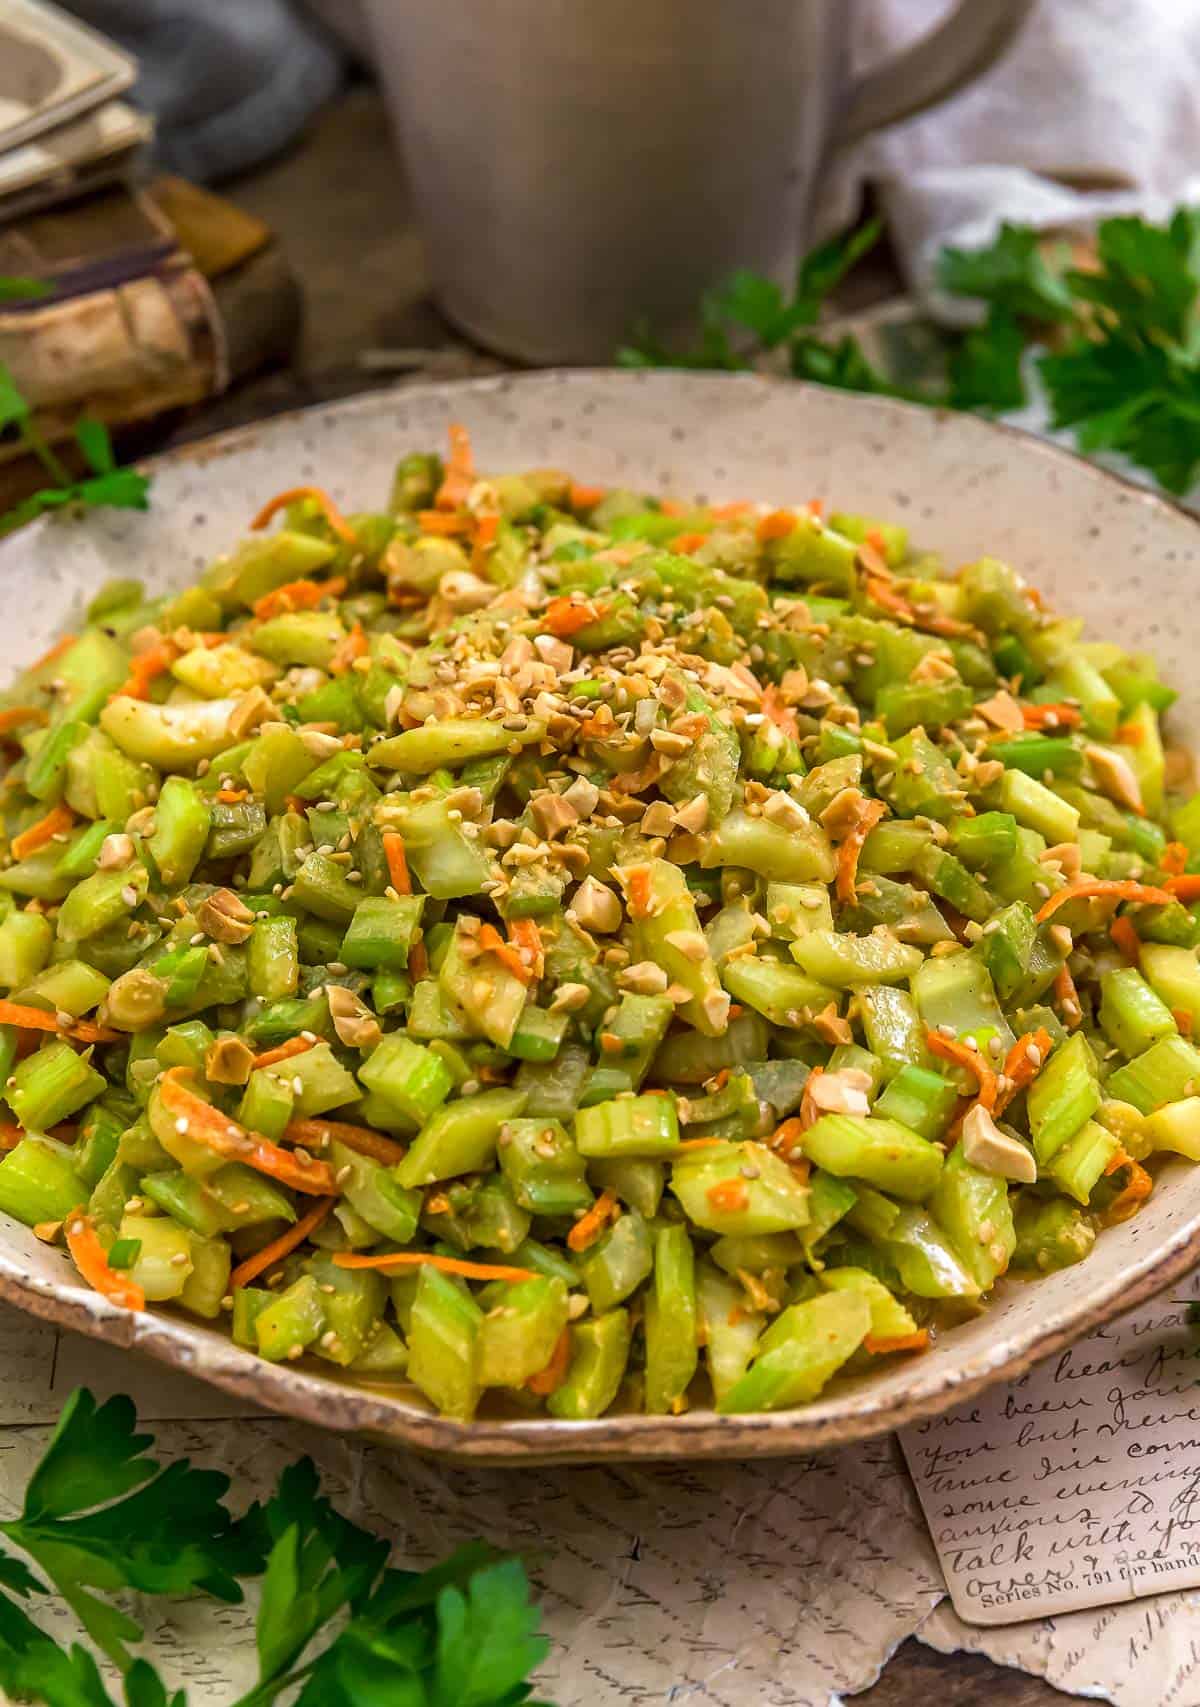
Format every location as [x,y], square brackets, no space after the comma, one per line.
[1092,111]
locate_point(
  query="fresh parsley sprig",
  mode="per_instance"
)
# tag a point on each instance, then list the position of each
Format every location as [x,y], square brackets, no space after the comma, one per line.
[101,1517]
[106,487]
[1116,345]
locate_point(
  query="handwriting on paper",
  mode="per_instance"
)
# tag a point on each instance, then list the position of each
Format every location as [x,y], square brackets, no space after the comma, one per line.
[1079,1485]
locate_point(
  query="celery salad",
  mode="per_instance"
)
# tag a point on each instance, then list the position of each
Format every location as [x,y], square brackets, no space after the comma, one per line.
[558,948]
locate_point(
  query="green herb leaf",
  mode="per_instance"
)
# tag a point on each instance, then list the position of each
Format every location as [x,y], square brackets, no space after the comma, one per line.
[1011,272]
[87,1528]
[985,368]
[14,288]
[487,1642]
[824,268]
[34,1668]
[1145,282]
[318,1564]
[14,410]
[92,438]
[144,1688]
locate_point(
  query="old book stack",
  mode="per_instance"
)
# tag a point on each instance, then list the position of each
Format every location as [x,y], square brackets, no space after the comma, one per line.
[117,291]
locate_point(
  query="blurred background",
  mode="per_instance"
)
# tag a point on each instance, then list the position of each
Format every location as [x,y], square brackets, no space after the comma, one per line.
[223,211]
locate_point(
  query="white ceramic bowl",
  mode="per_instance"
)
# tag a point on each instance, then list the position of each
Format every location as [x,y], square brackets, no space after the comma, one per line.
[1098,547]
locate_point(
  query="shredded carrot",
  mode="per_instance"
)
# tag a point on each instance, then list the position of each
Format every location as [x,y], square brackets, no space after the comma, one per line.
[1174,859]
[37,1019]
[1185,887]
[1135,1192]
[686,543]
[491,942]
[443,525]
[58,819]
[1056,716]
[881,1344]
[354,646]
[850,849]
[91,1259]
[789,1133]
[590,1225]
[447,1265]
[459,476]
[1130,734]
[776,525]
[640,884]
[146,667]
[281,1247]
[296,595]
[397,862]
[486,530]
[294,495]
[565,616]
[700,1143]
[815,507]
[527,939]
[974,1060]
[232,796]
[728,1195]
[207,1125]
[282,1052]
[1067,997]
[1020,1069]
[57,651]
[1109,888]
[876,541]
[1126,939]
[584,497]
[418,962]
[1184,1020]
[316,1133]
[16,715]
[779,711]
[728,512]
[551,1378]
[1120,1158]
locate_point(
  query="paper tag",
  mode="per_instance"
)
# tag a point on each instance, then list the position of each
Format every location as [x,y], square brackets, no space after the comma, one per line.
[1079,1485]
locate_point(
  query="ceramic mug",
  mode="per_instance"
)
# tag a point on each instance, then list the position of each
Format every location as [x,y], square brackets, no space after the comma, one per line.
[578,164]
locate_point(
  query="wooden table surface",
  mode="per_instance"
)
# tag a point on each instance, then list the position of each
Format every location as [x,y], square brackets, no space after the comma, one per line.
[339,204]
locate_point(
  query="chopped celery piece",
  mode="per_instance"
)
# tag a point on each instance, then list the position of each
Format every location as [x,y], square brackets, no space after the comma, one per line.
[645,1126]
[1167,1071]
[1132,1014]
[880,1151]
[1065,1095]
[51,1085]
[38,1182]
[599,1353]
[800,1353]
[921,1100]
[670,1323]
[460,1138]
[739,1189]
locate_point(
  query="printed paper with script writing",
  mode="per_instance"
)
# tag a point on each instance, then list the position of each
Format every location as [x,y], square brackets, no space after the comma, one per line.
[1080,1484]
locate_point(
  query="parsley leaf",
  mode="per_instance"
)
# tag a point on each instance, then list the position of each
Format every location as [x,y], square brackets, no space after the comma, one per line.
[15,288]
[108,487]
[99,1514]
[750,303]
[486,1642]
[460,1635]
[985,367]
[1011,272]
[318,1563]
[34,1667]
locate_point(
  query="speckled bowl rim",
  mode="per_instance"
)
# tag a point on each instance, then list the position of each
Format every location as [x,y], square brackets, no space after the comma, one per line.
[849,1412]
